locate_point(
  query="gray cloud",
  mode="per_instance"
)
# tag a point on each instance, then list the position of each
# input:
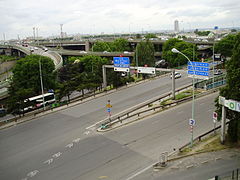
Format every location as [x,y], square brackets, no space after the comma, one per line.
[84,16]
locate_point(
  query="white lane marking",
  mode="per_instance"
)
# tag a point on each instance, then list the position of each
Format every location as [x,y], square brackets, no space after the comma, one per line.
[69,145]
[139,172]
[33,173]
[86,132]
[24,179]
[57,155]
[76,140]
[49,161]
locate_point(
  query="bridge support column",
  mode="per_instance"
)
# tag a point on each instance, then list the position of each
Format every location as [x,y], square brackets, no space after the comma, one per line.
[87,46]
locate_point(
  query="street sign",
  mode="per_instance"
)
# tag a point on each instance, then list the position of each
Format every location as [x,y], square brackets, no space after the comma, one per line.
[120,69]
[199,69]
[192,122]
[230,104]
[121,62]
[108,105]
[146,70]
[108,109]
[215,115]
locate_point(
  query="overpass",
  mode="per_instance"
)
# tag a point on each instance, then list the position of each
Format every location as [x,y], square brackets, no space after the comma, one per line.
[88,44]
[20,51]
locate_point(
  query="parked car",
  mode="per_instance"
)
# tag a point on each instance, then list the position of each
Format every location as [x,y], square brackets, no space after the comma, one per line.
[35,48]
[177,75]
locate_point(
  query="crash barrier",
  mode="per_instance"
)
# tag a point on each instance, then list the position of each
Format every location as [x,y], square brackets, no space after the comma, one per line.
[199,138]
[131,112]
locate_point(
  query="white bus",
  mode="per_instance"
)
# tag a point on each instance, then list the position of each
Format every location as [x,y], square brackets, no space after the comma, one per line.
[37,101]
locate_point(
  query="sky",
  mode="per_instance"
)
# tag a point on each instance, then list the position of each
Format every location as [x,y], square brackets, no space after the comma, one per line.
[18,17]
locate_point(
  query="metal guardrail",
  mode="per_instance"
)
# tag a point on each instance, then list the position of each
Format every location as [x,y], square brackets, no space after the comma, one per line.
[126,114]
[199,138]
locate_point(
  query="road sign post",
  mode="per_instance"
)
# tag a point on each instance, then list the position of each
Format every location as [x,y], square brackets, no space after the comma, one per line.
[109,106]
[191,123]
[215,115]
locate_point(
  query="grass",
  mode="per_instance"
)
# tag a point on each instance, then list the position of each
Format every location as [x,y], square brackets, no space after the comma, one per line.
[208,144]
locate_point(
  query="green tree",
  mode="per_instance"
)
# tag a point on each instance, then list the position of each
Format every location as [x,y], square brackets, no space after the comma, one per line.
[120,45]
[175,59]
[144,54]
[225,45]
[102,46]
[148,36]
[26,79]
[81,73]
[232,90]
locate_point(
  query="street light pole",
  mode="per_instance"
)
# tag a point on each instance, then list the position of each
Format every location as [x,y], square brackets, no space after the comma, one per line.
[40,74]
[174,50]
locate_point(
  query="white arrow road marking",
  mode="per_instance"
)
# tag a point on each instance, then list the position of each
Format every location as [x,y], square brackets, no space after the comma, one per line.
[76,140]
[69,145]
[33,173]
[49,161]
[57,155]
[86,132]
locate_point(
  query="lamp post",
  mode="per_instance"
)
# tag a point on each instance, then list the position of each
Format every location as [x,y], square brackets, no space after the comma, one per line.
[174,50]
[41,81]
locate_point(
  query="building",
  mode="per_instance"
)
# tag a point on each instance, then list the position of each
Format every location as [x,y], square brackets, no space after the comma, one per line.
[176,26]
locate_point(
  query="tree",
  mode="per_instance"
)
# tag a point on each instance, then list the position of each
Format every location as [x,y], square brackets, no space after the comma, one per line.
[120,45]
[175,59]
[102,46]
[144,54]
[148,36]
[81,73]
[26,79]
[225,45]
[232,90]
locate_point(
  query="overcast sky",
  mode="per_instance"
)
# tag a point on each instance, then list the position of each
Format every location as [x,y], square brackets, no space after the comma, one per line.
[18,17]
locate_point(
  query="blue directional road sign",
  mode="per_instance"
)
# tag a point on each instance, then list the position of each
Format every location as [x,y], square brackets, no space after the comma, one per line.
[108,109]
[200,69]
[122,62]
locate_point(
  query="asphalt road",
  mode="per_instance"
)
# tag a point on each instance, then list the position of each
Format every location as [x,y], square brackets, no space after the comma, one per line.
[57,146]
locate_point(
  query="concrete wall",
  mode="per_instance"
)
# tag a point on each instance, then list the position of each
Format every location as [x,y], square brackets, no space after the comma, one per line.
[6,66]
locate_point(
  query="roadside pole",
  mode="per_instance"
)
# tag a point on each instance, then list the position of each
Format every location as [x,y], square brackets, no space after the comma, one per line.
[104,77]
[173,83]
[223,125]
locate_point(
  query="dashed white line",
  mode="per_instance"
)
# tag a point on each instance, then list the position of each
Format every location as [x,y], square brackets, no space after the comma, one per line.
[76,140]
[69,145]
[32,173]
[49,161]
[86,133]
[57,155]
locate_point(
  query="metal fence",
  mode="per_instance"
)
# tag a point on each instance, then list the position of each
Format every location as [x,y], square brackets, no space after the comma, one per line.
[230,175]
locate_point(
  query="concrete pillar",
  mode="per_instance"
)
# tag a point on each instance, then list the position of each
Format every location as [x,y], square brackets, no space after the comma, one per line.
[87,46]
[223,124]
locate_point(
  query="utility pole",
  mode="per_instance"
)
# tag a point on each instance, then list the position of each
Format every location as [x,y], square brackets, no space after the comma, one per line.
[34,33]
[61,35]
